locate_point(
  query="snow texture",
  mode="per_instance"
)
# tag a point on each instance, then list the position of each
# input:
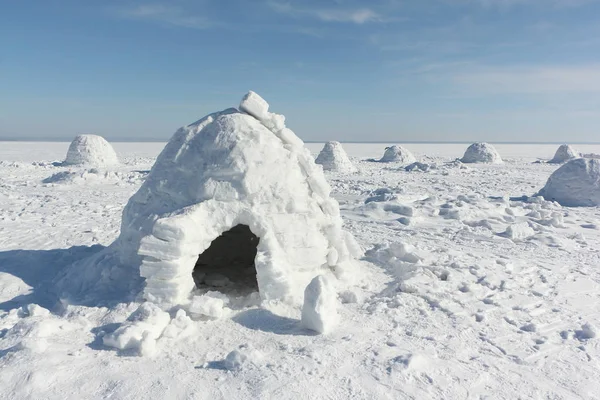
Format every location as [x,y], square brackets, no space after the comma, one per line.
[398,154]
[481,153]
[91,150]
[319,312]
[575,184]
[334,158]
[228,168]
[563,154]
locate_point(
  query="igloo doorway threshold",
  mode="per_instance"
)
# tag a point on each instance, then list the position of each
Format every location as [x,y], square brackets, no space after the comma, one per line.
[228,265]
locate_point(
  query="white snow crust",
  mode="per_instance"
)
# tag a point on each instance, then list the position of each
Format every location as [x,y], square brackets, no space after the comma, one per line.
[91,150]
[448,306]
[228,168]
[398,154]
[563,154]
[319,312]
[575,184]
[482,153]
[334,158]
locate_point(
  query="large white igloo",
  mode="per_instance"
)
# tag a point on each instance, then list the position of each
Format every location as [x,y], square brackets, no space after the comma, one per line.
[563,154]
[575,184]
[91,150]
[481,153]
[334,158]
[398,154]
[234,196]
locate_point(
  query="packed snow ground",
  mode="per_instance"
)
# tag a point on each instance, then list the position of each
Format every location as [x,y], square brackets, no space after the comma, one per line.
[471,290]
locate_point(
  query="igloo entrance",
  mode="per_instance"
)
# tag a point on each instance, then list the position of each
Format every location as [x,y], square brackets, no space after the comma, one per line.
[228,263]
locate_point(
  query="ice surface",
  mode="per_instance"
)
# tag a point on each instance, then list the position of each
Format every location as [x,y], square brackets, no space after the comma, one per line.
[398,154]
[482,153]
[91,150]
[563,154]
[319,312]
[334,158]
[575,184]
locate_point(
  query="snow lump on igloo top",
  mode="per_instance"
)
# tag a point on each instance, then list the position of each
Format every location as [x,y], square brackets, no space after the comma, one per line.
[334,158]
[564,153]
[233,199]
[481,153]
[398,154]
[575,184]
[92,150]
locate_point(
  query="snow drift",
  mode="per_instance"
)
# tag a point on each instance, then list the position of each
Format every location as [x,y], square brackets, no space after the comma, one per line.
[334,158]
[575,184]
[563,154]
[398,154]
[481,153]
[91,150]
[240,189]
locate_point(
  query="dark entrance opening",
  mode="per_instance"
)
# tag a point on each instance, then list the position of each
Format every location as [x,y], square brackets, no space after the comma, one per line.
[229,262]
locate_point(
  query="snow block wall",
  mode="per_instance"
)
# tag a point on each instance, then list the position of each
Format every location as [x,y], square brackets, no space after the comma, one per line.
[91,150]
[229,168]
[575,184]
[481,153]
[334,158]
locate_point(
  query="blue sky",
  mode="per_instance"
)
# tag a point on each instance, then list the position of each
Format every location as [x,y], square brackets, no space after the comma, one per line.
[382,70]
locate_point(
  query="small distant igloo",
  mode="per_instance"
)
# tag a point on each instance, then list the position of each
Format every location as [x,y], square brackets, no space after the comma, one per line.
[234,200]
[91,150]
[575,184]
[334,158]
[563,154]
[397,154]
[481,153]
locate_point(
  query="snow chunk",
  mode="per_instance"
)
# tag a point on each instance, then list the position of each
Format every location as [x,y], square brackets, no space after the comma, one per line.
[91,150]
[334,158]
[564,154]
[518,232]
[242,358]
[398,154]
[575,184]
[319,312]
[210,304]
[255,105]
[418,166]
[141,330]
[481,153]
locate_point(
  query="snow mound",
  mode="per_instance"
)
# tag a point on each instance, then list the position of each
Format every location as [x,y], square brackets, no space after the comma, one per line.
[397,154]
[319,312]
[564,154]
[481,153]
[141,330]
[519,232]
[91,150]
[243,358]
[419,166]
[236,186]
[334,158]
[575,184]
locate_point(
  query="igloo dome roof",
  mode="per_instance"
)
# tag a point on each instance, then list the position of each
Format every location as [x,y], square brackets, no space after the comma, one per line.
[92,150]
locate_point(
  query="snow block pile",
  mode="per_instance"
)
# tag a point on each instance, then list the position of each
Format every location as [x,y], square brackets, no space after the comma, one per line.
[481,153]
[575,184]
[398,154]
[334,158]
[230,168]
[91,150]
[563,154]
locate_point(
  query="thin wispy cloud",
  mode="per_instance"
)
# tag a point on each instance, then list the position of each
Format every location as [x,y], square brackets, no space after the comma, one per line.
[356,16]
[531,79]
[165,14]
